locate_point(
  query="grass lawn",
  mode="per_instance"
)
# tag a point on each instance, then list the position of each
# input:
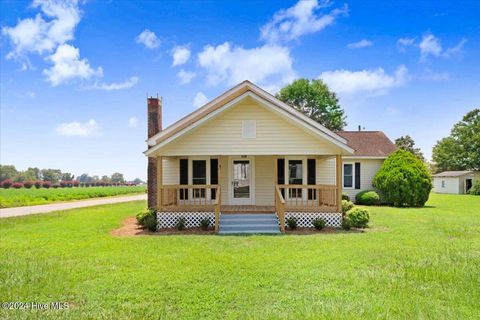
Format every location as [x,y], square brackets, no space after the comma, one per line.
[412,263]
[29,197]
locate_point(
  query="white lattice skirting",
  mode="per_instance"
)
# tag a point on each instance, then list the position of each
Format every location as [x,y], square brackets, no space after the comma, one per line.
[192,219]
[305,219]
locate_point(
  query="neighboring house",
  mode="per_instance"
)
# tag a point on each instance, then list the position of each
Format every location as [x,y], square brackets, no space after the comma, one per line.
[456,182]
[246,151]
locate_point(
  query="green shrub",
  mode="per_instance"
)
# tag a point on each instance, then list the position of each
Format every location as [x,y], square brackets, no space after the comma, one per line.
[346,225]
[475,189]
[292,223]
[150,222]
[181,223]
[345,197]
[358,217]
[368,198]
[319,223]
[143,215]
[346,205]
[205,223]
[403,180]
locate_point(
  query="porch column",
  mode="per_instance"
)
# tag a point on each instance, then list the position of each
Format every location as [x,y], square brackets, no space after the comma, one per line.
[159,183]
[339,182]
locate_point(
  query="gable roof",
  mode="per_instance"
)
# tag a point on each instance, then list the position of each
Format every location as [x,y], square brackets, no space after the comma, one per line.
[369,143]
[228,99]
[452,174]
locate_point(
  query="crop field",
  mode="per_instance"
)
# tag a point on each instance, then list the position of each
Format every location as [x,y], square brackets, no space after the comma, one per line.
[29,197]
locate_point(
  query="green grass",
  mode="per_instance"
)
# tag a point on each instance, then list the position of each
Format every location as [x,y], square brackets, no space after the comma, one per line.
[29,197]
[413,263]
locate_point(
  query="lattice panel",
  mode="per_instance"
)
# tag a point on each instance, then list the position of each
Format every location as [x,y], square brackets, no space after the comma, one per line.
[192,219]
[305,219]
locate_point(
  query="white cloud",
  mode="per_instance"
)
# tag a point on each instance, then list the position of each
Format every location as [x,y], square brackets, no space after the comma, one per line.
[79,129]
[67,66]
[303,18]
[185,76]
[133,122]
[149,39]
[360,44]
[365,81]
[199,100]
[130,82]
[40,35]
[180,55]
[431,46]
[265,65]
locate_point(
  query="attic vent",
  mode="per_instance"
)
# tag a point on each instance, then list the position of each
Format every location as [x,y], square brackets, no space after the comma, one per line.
[249,129]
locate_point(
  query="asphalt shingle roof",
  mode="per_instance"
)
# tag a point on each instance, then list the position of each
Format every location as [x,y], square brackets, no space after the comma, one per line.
[368,143]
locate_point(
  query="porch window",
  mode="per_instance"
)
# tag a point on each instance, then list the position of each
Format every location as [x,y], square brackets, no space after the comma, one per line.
[199,176]
[348,175]
[295,176]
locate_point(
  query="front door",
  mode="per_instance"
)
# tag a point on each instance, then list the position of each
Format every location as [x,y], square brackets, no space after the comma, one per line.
[241,180]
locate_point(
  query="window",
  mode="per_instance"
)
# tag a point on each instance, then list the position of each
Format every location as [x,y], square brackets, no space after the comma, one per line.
[348,175]
[295,176]
[199,176]
[443,183]
[249,129]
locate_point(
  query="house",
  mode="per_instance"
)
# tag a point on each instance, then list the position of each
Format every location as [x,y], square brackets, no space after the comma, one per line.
[247,152]
[456,182]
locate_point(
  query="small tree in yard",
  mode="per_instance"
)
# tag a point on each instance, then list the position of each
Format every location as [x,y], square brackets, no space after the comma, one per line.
[403,180]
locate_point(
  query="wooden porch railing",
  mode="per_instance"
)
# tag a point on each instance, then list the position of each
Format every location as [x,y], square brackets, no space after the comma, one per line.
[191,198]
[318,198]
[280,207]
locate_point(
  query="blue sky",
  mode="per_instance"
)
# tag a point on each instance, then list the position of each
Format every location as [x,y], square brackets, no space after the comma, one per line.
[75,75]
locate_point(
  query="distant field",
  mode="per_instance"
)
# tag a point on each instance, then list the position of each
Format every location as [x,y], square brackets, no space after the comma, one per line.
[29,197]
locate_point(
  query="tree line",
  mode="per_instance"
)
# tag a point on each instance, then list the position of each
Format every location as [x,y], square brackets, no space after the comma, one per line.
[56,176]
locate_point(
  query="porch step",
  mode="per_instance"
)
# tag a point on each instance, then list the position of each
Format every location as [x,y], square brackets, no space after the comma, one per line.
[244,223]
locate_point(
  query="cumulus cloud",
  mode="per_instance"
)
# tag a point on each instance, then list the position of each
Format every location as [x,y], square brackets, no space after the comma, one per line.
[373,82]
[133,122]
[431,46]
[180,55]
[230,64]
[303,18]
[129,83]
[75,128]
[67,65]
[360,44]
[185,76]
[54,25]
[199,100]
[149,39]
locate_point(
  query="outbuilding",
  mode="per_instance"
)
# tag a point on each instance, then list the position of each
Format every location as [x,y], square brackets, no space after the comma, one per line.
[455,182]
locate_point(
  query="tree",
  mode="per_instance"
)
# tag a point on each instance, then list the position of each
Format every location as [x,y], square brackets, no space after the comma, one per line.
[67,176]
[84,177]
[403,180]
[408,144]
[137,181]
[52,175]
[460,150]
[117,177]
[33,174]
[106,179]
[314,99]
[7,172]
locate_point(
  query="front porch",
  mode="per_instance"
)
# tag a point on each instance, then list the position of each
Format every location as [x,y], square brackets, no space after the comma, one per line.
[287,186]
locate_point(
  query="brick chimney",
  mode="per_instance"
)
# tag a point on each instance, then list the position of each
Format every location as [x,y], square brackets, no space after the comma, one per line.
[154,116]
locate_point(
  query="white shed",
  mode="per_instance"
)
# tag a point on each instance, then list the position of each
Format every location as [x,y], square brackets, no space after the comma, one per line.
[455,182]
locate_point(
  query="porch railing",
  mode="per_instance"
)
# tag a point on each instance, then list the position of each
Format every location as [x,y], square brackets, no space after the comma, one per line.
[191,198]
[318,198]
